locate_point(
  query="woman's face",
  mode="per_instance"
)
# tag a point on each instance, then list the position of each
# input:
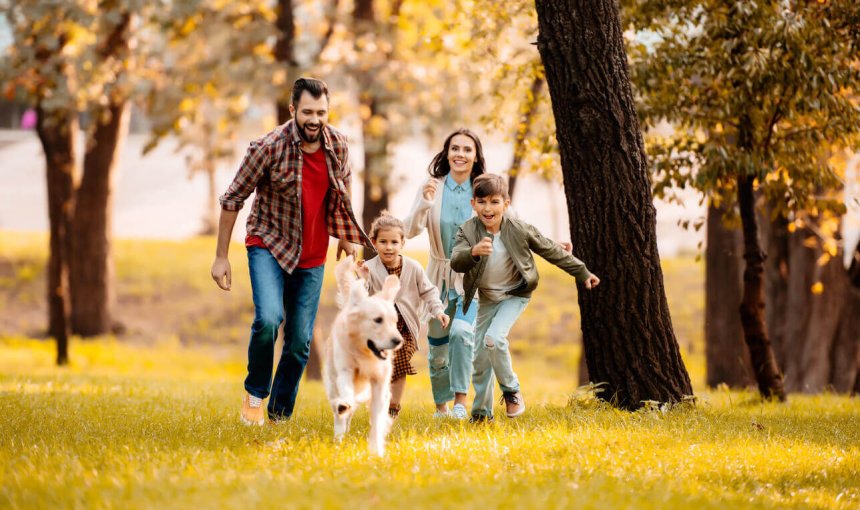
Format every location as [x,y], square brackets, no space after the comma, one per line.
[461,155]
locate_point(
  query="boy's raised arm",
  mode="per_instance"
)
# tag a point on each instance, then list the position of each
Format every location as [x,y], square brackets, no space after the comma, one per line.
[555,254]
[461,256]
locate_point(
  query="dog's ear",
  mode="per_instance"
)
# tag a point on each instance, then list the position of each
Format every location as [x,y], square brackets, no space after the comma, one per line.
[390,288]
[357,292]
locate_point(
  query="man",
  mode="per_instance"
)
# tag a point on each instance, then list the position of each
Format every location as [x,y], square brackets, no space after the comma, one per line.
[301,175]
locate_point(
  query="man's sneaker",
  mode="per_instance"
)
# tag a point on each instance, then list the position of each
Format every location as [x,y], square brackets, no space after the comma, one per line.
[481,418]
[458,412]
[253,412]
[514,405]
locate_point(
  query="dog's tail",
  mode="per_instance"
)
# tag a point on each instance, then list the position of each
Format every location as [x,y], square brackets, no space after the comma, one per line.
[344,274]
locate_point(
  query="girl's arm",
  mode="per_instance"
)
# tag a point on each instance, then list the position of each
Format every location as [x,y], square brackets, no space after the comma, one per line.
[428,292]
[418,217]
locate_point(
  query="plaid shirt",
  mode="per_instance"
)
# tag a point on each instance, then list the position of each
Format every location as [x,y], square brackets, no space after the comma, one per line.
[273,167]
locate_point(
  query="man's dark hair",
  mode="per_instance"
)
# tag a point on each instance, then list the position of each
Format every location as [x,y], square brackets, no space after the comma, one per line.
[488,185]
[316,88]
[440,167]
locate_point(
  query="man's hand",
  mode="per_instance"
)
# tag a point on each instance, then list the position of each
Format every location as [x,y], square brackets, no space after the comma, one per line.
[566,246]
[430,189]
[443,319]
[593,281]
[344,246]
[221,272]
[485,247]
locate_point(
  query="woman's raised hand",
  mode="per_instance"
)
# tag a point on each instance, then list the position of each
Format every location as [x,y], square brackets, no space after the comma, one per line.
[430,189]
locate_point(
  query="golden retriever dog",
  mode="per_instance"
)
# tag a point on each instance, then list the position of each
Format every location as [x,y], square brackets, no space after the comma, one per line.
[357,365]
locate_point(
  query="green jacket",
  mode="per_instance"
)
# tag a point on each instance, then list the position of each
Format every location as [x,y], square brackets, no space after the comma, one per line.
[520,239]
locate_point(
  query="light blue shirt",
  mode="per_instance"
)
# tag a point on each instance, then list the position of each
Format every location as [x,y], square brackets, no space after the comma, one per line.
[456,209]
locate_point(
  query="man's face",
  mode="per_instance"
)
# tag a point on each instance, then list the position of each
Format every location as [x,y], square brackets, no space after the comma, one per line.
[311,114]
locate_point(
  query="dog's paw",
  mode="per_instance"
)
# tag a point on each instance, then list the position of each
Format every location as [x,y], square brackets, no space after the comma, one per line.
[343,408]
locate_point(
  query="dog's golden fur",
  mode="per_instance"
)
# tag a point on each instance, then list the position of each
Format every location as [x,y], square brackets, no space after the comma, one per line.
[357,364]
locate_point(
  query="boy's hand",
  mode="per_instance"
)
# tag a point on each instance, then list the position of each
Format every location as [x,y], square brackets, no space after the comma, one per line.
[593,281]
[443,319]
[485,247]
[566,246]
[430,189]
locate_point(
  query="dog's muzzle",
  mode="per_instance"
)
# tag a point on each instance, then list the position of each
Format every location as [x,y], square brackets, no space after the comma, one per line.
[376,352]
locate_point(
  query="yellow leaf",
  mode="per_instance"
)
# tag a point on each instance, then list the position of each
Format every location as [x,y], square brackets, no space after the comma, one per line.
[823,259]
[792,227]
[817,288]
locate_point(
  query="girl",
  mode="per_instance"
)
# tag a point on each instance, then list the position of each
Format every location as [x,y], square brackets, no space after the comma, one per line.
[442,205]
[387,234]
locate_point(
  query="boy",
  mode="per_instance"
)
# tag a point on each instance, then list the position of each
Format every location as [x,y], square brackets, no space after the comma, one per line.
[495,253]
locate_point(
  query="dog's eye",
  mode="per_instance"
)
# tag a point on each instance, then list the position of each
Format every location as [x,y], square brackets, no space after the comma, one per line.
[378,320]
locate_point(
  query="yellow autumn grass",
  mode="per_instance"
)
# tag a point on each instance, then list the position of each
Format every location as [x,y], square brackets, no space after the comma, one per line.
[155,424]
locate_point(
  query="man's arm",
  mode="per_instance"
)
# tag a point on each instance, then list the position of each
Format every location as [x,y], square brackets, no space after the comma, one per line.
[221,272]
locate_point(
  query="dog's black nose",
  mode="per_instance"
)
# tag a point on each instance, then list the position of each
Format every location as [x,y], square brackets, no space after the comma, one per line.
[396,340]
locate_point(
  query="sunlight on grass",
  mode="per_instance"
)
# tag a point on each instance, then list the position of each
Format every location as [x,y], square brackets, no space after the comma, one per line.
[158,427]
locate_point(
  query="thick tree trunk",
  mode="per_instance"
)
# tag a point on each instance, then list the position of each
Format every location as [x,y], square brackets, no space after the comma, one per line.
[57,133]
[776,274]
[764,366]
[91,263]
[528,109]
[284,55]
[627,331]
[726,356]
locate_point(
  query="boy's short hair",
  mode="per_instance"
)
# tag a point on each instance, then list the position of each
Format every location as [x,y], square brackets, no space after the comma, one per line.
[488,185]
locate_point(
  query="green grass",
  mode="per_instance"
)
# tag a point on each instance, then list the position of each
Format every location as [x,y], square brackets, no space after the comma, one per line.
[158,427]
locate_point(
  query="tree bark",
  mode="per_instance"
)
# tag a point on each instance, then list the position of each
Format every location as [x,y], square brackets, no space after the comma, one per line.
[285,55]
[766,372]
[726,356]
[529,109]
[846,349]
[91,262]
[627,330]
[57,133]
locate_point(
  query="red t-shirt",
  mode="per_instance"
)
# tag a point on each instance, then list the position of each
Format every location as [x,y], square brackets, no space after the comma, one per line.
[315,236]
[315,185]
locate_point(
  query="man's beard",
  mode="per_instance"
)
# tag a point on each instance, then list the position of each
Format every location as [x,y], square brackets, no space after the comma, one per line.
[304,135]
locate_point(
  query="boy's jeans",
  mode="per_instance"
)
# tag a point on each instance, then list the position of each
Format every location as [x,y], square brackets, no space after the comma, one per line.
[451,351]
[279,295]
[492,354]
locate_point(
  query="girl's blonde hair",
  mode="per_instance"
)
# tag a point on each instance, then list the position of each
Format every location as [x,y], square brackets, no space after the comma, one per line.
[386,221]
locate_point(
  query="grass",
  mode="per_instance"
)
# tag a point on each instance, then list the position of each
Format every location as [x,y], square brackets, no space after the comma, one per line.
[157,427]
[152,420]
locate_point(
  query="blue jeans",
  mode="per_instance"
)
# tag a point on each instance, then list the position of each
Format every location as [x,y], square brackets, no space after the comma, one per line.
[451,351]
[279,295]
[492,353]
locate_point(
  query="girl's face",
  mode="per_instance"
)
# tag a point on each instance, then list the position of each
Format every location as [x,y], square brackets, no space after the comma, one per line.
[461,155]
[388,243]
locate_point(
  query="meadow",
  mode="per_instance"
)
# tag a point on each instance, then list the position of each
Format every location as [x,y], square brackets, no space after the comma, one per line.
[149,417]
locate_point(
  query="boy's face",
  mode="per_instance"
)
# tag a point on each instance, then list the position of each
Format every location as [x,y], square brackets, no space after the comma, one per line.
[490,210]
[388,243]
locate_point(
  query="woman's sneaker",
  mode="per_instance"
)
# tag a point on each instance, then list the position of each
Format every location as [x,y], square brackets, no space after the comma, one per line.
[458,412]
[514,405]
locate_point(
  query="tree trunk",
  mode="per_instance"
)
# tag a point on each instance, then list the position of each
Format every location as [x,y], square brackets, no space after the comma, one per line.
[846,348]
[91,263]
[284,55]
[764,366]
[57,133]
[776,274]
[528,109]
[627,331]
[726,356]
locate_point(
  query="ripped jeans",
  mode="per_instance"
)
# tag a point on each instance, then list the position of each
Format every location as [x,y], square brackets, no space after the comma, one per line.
[451,351]
[492,353]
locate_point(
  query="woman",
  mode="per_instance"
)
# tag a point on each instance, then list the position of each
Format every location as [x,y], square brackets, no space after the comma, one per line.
[442,205]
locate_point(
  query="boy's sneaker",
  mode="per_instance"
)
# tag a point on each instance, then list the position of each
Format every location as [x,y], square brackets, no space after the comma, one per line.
[514,405]
[253,412]
[458,412]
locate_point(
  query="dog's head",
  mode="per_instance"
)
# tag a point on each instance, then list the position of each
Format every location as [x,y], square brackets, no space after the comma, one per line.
[373,319]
